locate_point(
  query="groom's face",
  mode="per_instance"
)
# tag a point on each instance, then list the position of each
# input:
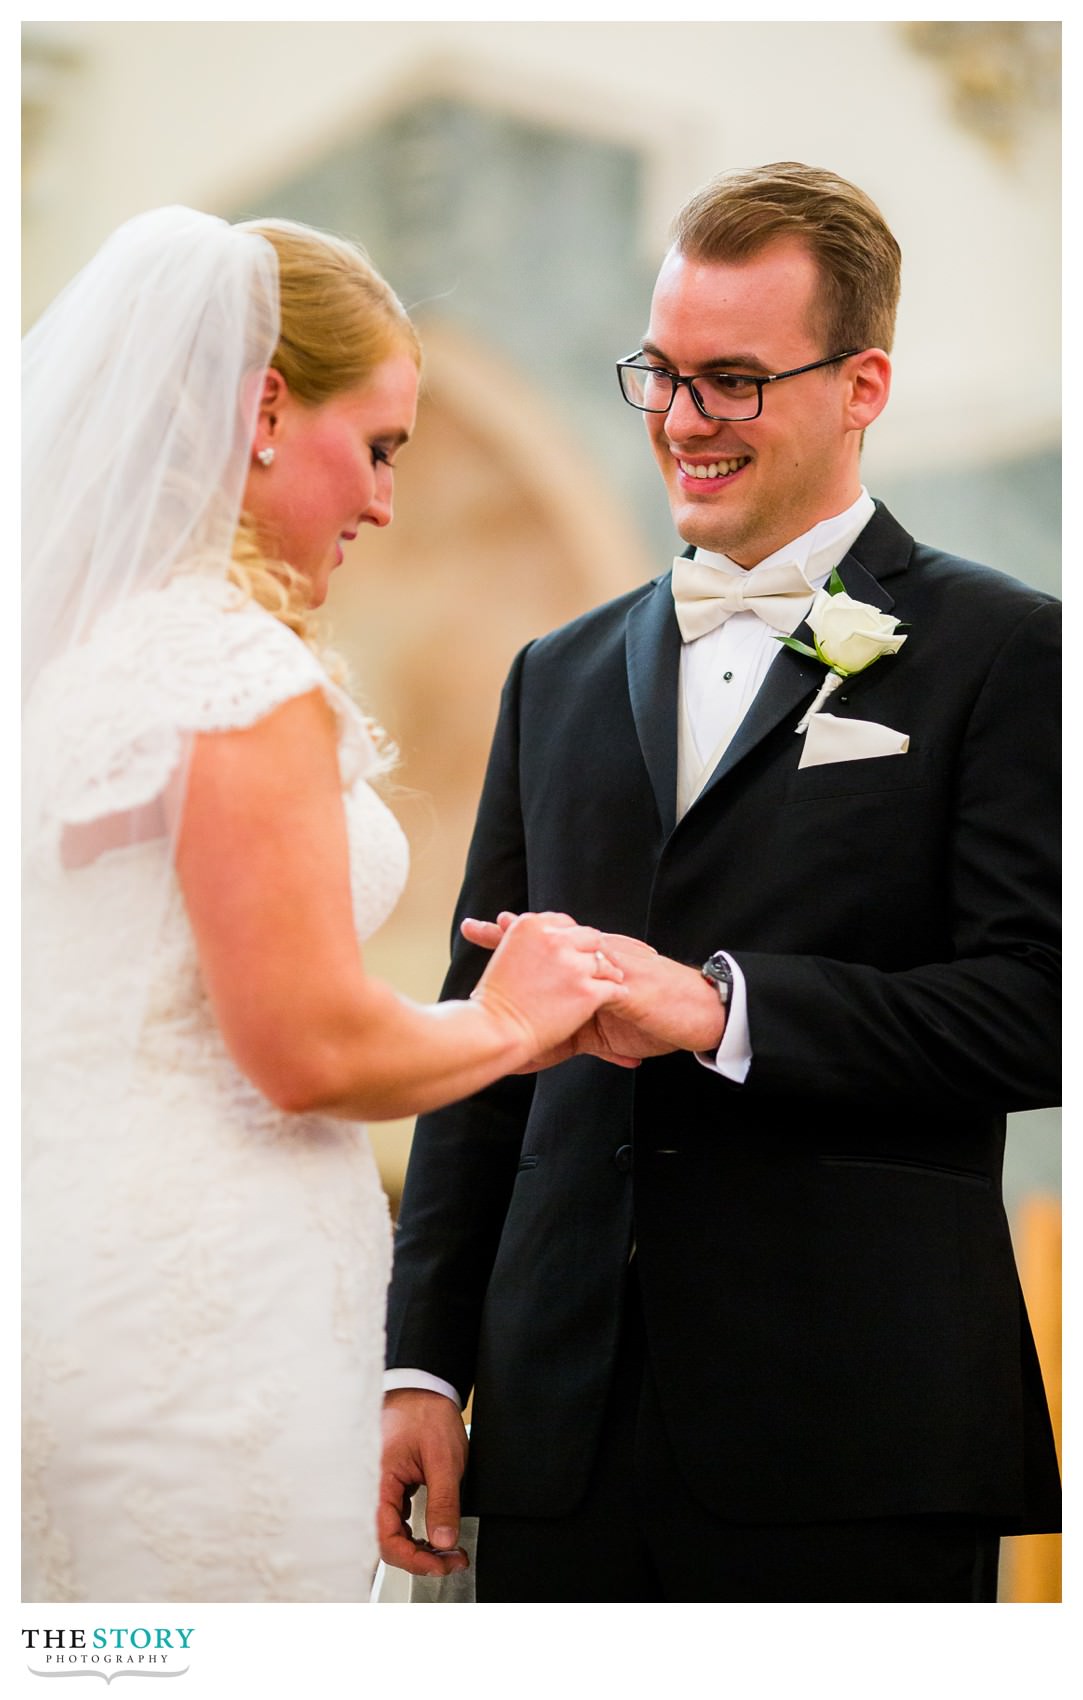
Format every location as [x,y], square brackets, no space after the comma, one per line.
[768,479]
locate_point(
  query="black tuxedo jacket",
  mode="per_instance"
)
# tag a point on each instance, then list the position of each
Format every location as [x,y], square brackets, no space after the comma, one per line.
[833,1314]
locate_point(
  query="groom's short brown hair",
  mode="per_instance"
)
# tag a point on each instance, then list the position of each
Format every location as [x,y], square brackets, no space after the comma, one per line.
[741,212]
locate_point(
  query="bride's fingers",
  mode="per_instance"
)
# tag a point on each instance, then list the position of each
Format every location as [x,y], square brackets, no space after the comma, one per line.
[632,944]
[569,932]
[487,934]
[605,968]
[588,939]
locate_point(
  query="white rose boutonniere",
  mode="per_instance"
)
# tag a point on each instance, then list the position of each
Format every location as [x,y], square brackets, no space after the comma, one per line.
[849,637]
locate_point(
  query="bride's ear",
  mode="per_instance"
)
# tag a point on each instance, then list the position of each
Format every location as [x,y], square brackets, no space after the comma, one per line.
[274,395]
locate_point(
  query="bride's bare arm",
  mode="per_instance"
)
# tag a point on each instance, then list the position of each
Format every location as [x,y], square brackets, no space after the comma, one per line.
[262,860]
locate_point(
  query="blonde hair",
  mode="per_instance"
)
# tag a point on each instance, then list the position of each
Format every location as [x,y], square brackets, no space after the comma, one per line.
[338,321]
[736,215]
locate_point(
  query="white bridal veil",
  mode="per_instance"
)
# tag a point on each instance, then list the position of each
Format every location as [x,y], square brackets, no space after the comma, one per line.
[141,385]
[138,411]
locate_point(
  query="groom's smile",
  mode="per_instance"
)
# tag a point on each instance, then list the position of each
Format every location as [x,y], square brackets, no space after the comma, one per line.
[717,471]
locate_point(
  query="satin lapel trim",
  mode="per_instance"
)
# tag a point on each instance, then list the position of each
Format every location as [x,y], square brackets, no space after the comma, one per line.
[860,584]
[653,655]
[792,679]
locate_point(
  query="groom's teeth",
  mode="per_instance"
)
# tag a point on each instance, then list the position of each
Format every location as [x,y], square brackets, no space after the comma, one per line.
[716,469]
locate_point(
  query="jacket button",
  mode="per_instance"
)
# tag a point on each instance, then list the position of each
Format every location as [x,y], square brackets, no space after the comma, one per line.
[623,1158]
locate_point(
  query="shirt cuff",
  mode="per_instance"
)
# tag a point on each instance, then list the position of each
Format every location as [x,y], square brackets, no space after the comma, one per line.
[733,1059]
[420,1378]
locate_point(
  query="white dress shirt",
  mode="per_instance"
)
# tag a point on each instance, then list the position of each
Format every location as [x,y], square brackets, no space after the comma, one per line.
[719,676]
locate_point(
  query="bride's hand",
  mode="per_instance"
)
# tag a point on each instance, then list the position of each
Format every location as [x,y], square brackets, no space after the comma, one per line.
[546,979]
[487,934]
[606,1035]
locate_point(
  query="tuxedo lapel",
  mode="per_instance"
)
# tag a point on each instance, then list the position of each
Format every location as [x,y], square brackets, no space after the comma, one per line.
[792,679]
[653,654]
[880,551]
[859,583]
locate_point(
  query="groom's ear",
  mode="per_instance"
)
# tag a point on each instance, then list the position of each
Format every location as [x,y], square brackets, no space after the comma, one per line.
[868,385]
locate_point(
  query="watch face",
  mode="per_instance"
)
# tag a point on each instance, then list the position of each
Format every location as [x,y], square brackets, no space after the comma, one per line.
[717,970]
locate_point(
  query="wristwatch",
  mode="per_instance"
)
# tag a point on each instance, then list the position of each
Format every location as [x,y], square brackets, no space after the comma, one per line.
[718,971]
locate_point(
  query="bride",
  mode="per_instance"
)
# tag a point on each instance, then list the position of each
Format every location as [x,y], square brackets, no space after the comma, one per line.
[210,412]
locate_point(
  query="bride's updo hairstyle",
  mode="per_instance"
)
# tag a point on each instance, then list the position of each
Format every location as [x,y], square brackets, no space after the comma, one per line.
[339,321]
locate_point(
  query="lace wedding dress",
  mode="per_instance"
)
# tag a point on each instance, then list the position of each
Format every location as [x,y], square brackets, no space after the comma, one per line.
[204,1274]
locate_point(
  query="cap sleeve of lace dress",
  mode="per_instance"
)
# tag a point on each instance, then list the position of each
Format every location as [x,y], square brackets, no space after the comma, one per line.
[109,723]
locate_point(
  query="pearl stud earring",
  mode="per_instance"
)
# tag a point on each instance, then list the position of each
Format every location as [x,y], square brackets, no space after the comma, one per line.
[265,456]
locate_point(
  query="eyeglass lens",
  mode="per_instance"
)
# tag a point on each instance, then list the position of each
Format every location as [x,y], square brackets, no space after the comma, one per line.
[724,395]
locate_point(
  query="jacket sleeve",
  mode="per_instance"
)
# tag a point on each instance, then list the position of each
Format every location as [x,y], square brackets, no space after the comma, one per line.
[983,1027]
[464,1157]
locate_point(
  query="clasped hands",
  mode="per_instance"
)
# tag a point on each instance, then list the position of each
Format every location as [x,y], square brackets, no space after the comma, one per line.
[664,1005]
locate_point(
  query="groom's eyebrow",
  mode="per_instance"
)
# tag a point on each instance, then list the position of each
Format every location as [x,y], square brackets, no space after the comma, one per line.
[716,363]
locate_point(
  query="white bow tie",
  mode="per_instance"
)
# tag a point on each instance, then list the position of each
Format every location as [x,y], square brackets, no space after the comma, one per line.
[705,596]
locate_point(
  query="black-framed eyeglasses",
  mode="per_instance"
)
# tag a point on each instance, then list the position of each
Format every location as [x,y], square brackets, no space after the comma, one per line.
[724,396]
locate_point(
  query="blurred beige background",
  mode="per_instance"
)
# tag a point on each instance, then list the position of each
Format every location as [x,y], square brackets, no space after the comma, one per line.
[515,181]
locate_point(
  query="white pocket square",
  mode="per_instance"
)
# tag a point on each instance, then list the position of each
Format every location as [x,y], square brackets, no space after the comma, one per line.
[830,739]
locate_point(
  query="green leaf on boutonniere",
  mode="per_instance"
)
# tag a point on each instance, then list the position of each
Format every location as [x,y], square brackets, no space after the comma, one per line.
[835,586]
[801,648]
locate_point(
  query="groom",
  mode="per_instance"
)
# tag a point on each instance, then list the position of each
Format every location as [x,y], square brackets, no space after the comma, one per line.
[744,1323]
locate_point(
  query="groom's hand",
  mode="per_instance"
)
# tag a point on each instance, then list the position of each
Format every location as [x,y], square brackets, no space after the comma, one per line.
[625,1038]
[613,1032]
[605,1035]
[666,1005]
[424,1444]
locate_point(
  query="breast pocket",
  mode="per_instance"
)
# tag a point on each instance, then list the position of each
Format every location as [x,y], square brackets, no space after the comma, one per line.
[874,776]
